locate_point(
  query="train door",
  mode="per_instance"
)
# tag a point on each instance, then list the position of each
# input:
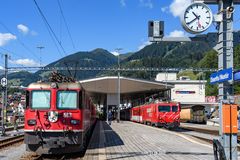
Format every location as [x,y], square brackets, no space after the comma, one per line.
[140,114]
[154,114]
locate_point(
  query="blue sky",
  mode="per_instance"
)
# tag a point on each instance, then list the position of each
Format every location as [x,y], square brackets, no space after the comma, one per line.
[107,24]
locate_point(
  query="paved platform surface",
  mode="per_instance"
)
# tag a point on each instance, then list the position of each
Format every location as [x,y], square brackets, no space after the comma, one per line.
[128,140]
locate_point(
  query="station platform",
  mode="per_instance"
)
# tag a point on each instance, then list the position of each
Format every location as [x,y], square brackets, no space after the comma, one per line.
[128,140]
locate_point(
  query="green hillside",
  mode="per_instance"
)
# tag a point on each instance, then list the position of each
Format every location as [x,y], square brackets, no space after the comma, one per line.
[95,58]
[157,55]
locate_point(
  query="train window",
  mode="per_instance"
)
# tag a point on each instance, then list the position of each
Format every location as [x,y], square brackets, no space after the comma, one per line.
[80,99]
[174,108]
[40,99]
[164,108]
[27,99]
[67,99]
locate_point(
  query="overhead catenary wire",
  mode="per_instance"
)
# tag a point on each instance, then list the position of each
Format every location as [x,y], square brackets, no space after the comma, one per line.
[52,33]
[122,69]
[55,44]
[19,41]
[65,22]
[12,53]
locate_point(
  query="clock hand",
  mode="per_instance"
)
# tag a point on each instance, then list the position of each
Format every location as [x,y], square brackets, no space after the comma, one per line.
[197,18]
[192,20]
[195,15]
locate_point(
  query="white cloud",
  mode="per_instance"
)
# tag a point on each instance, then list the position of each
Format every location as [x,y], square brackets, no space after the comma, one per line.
[115,53]
[123,3]
[144,44]
[177,33]
[146,3]
[6,37]
[177,7]
[1,68]
[25,62]
[23,29]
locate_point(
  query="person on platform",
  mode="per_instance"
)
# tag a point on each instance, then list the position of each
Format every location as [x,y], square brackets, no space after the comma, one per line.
[109,117]
[15,115]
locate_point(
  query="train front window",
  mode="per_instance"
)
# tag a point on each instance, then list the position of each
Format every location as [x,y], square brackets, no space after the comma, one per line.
[67,100]
[164,108]
[40,99]
[174,108]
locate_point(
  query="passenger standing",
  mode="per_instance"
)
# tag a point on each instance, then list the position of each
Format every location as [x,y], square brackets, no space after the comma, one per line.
[109,117]
[15,115]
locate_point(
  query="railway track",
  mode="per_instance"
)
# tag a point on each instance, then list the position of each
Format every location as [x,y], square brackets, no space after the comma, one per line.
[205,131]
[33,156]
[12,128]
[11,141]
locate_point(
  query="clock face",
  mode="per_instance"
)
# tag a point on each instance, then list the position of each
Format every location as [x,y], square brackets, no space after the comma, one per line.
[197,18]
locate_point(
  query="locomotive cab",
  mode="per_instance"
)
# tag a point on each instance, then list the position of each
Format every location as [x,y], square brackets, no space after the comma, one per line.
[169,115]
[57,118]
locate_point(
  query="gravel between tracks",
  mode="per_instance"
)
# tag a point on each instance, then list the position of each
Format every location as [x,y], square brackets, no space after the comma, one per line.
[13,153]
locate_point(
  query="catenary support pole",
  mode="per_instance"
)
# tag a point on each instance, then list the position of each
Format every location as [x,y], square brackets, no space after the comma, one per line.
[225,60]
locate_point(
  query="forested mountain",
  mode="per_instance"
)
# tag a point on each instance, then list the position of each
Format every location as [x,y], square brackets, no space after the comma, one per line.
[157,55]
[95,58]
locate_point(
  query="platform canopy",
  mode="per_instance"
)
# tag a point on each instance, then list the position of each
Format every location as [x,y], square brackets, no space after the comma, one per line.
[109,85]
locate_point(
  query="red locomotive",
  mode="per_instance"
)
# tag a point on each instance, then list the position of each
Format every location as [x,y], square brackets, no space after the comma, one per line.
[58,117]
[161,114]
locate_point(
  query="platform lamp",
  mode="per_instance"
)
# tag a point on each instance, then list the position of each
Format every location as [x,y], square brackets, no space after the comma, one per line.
[118,109]
[40,52]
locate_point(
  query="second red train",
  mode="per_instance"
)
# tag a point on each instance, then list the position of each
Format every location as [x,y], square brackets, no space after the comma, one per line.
[160,114]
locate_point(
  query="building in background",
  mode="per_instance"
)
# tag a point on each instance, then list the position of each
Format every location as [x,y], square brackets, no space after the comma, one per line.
[185,90]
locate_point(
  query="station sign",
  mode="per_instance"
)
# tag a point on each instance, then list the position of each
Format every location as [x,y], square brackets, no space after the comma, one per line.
[221,76]
[185,92]
[4,81]
[236,76]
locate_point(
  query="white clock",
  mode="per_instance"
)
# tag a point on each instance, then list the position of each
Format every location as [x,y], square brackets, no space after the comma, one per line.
[197,18]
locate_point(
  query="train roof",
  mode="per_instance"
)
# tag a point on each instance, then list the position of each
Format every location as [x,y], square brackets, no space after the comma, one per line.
[156,102]
[67,85]
[108,85]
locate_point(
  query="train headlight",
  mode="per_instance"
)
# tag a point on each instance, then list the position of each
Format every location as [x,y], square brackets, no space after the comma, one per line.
[53,116]
[32,122]
[54,85]
[75,122]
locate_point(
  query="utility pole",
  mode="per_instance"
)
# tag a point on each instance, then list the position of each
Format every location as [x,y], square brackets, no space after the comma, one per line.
[40,52]
[4,94]
[225,60]
[119,92]
[228,139]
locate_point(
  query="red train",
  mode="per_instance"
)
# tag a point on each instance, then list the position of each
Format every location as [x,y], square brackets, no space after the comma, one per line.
[58,117]
[161,114]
